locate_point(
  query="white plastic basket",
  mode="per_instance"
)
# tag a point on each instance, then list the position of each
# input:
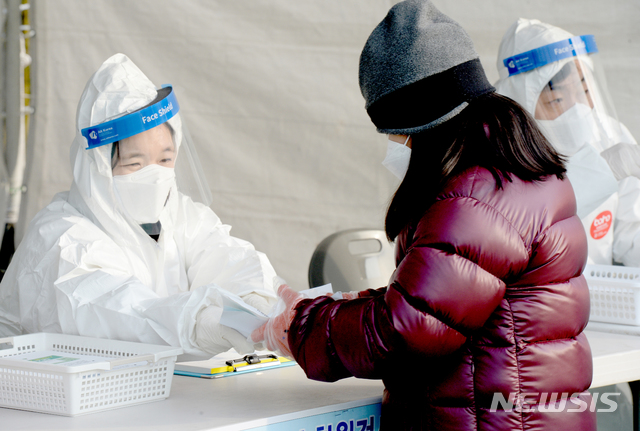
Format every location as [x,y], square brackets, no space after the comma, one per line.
[614,293]
[140,373]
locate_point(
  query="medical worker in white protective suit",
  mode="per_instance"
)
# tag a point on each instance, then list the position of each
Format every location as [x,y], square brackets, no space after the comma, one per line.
[557,78]
[127,253]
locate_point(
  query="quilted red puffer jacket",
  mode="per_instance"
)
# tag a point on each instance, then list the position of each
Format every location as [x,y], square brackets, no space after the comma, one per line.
[481,325]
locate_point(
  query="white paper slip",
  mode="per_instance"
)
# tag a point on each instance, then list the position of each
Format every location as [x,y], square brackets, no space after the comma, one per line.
[245,318]
[239,315]
[317,291]
[243,322]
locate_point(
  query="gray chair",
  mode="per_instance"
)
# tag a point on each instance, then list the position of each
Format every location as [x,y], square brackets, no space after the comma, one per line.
[354,259]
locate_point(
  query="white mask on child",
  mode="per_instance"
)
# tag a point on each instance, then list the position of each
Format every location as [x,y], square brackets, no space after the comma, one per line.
[397,158]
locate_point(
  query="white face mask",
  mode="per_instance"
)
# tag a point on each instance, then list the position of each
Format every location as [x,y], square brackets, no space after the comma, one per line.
[397,158]
[144,193]
[573,129]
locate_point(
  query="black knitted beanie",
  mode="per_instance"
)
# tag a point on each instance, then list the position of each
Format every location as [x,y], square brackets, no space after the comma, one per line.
[418,69]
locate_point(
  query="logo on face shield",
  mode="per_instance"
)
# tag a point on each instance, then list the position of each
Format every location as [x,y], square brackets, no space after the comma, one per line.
[93,134]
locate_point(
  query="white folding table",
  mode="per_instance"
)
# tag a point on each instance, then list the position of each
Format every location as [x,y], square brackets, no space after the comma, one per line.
[285,399]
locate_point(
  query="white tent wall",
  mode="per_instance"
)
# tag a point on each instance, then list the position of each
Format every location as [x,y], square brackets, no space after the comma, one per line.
[269,90]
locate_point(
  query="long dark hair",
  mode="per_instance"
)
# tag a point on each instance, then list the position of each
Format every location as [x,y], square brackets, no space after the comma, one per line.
[493,132]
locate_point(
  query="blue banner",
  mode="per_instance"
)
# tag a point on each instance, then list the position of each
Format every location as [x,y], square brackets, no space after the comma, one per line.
[363,418]
[550,53]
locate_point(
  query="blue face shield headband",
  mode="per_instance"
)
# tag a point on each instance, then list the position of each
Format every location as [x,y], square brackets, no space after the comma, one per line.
[133,123]
[553,52]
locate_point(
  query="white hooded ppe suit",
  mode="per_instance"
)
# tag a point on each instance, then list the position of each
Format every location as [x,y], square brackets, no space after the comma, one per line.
[603,157]
[86,267]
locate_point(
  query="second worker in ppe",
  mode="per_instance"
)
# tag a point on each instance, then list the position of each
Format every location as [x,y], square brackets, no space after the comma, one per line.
[557,78]
[129,252]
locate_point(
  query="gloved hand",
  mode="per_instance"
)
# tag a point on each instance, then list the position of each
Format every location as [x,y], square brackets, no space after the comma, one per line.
[263,303]
[344,295]
[623,159]
[273,334]
[214,338]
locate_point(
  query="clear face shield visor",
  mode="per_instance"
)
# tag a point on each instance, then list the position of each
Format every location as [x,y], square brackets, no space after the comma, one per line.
[573,104]
[151,153]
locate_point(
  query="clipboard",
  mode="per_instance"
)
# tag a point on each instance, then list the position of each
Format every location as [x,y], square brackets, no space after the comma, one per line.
[220,366]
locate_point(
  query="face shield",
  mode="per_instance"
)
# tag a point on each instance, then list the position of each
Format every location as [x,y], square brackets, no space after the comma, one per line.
[566,93]
[151,154]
